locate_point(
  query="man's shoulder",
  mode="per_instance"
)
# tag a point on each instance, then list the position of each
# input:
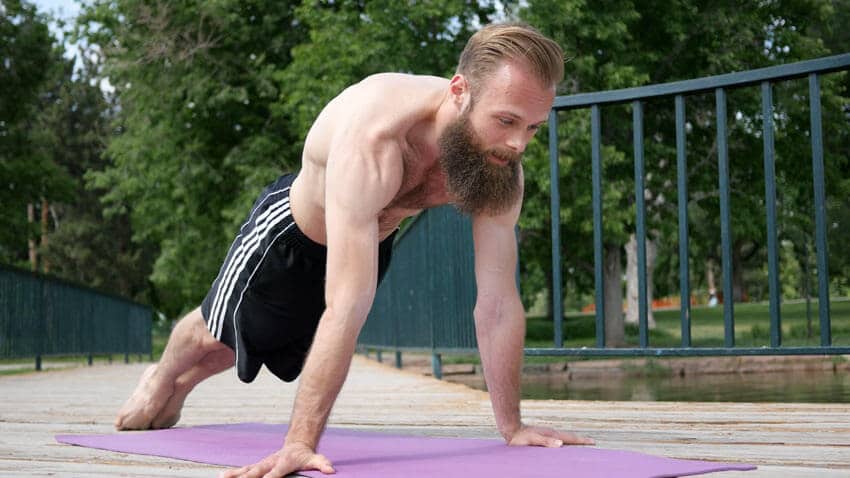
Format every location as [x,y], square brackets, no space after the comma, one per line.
[398,91]
[402,80]
[389,103]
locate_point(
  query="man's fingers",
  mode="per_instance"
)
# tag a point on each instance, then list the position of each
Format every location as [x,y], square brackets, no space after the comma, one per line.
[278,471]
[548,437]
[321,463]
[536,439]
[573,439]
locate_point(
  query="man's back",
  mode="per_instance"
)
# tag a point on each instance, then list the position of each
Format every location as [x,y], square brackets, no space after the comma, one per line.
[384,110]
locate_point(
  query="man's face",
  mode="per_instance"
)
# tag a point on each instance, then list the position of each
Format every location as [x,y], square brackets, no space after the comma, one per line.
[482,149]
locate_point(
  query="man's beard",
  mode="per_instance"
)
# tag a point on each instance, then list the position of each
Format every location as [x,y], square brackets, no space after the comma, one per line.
[477,185]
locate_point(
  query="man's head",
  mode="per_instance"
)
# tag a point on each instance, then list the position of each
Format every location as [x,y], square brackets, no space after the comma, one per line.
[503,90]
[498,43]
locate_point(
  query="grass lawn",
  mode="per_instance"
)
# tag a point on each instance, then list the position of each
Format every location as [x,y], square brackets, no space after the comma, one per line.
[752,327]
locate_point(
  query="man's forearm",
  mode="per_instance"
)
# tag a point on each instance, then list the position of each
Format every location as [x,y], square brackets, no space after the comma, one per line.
[501,334]
[324,373]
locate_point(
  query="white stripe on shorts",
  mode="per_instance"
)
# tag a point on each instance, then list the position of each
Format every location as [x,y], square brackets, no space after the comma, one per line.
[246,248]
[239,303]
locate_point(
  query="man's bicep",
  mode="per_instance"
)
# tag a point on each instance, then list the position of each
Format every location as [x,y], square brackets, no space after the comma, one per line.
[360,182]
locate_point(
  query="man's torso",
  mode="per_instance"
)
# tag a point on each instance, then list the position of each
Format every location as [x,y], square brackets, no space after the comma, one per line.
[404,105]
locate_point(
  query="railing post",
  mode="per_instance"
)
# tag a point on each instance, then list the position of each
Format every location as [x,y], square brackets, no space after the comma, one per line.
[682,175]
[770,200]
[379,356]
[725,227]
[643,325]
[555,209]
[398,363]
[820,211]
[437,365]
[598,273]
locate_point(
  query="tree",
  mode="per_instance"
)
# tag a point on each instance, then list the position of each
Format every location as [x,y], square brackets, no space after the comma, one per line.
[197,133]
[27,175]
[617,44]
[212,106]
[86,246]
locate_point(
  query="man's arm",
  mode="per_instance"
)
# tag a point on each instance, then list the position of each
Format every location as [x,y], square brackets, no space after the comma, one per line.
[500,329]
[360,180]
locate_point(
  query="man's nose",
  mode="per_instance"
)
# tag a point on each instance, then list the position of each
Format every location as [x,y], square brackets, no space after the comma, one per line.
[517,142]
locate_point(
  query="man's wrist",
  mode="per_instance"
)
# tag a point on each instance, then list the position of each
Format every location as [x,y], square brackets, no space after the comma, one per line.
[508,431]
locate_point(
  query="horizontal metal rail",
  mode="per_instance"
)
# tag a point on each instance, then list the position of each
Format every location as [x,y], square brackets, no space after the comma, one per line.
[684,352]
[790,71]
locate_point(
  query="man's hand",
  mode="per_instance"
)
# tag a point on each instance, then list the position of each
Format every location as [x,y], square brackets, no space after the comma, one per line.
[548,437]
[289,459]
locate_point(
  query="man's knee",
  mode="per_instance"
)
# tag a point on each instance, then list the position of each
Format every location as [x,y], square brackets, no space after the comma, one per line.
[193,328]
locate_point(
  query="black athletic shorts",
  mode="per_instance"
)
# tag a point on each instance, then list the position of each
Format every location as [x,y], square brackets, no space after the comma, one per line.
[268,297]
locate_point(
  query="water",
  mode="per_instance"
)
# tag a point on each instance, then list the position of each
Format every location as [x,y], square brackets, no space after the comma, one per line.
[797,387]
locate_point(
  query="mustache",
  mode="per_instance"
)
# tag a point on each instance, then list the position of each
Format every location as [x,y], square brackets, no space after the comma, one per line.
[505,155]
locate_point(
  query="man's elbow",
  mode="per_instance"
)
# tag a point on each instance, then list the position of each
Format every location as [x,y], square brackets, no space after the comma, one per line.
[495,309]
[348,315]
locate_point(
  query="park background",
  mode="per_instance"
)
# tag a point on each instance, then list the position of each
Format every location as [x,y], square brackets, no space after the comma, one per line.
[135,135]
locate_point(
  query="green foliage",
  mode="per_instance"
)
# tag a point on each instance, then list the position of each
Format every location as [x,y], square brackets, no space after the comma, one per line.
[349,40]
[212,101]
[213,107]
[28,61]
[84,246]
[197,135]
[617,44]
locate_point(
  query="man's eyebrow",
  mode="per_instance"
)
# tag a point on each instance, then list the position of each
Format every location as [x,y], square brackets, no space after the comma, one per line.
[518,117]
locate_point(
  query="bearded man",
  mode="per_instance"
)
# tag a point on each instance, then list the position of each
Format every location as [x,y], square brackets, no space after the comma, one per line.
[300,278]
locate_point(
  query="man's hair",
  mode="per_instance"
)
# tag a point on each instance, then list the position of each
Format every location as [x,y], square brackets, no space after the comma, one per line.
[489,47]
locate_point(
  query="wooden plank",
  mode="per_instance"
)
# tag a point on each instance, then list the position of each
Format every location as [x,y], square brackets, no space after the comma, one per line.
[785,440]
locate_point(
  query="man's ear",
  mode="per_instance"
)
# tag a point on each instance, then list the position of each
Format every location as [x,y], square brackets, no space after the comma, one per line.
[459,89]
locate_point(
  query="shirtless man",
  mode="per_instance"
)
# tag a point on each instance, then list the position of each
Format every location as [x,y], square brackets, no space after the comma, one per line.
[383,150]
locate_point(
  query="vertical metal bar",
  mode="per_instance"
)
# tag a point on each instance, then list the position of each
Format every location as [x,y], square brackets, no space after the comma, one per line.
[555,208]
[437,365]
[637,120]
[820,211]
[379,356]
[598,272]
[682,175]
[725,228]
[398,362]
[770,200]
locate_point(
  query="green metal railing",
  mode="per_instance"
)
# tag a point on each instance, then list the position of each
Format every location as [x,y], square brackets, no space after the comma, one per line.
[42,316]
[426,299]
[425,303]
[766,78]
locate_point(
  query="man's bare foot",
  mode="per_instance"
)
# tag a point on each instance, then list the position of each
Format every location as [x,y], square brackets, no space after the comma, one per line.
[146,403]
[170,413]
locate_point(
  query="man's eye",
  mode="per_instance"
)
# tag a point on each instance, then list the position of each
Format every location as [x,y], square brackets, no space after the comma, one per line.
[506,121]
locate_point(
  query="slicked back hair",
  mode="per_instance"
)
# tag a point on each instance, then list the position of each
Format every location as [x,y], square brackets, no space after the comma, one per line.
[494,44]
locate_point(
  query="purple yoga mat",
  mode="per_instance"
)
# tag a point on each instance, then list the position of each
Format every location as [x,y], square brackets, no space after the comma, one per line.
[358,454]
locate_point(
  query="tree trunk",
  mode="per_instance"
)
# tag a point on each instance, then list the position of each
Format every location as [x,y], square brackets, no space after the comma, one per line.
[550,289]
[739,289]
[712,285]
[632,298]
[45,215]
[613,273]
[31,240]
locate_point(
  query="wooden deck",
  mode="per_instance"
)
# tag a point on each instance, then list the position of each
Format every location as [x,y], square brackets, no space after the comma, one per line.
[785,440]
